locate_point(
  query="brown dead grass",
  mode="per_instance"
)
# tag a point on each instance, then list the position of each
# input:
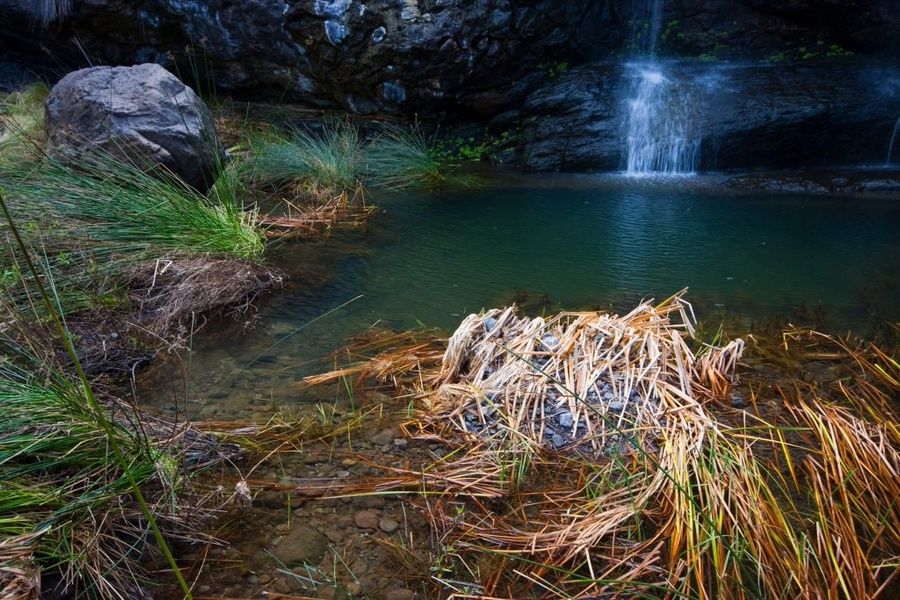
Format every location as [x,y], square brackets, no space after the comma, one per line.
[168,292]
[700,501]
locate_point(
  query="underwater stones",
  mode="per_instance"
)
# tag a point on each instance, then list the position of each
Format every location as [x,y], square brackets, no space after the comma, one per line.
[142,112]
[301,545]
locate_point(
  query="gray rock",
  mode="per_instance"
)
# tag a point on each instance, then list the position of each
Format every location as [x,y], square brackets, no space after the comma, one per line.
[399,594]
[616,406]
[384,437]
[143,113]
[388,525]
[550,341]
[558,440]
[301,545]
[489,324]
[566,419]
[366,519]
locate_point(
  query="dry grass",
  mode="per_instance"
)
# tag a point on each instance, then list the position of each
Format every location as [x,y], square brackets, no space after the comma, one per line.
[303,220]
[661,490]
[19,577]
[168,292]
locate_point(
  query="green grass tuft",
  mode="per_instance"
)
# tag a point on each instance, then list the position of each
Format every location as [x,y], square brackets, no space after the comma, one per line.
[329,161]
[114,202]
[22,125]
[402,158]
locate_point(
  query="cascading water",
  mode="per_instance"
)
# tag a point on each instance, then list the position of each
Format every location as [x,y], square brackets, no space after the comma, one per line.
[887,163]
[659,114]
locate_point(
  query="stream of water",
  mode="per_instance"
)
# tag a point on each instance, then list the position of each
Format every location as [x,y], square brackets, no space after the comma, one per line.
[660,111]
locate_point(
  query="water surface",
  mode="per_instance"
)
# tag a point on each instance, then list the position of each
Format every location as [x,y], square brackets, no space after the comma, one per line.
[557,242]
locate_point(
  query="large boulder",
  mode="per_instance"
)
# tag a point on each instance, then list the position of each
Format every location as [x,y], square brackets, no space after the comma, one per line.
[742,115]
[143,113]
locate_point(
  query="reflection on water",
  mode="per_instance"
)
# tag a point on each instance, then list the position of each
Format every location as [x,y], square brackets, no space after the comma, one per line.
[432,259]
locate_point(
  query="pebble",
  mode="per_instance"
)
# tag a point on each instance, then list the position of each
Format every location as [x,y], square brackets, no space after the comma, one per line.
[401,443]
[399,594]
[348,462]
[489,324]
[374,501]
[342,474]
[383,438]
[354,589]
[388,525]
[738,401]
[566,419]
[616,406]
[366,519]
[558,440]
[550,341]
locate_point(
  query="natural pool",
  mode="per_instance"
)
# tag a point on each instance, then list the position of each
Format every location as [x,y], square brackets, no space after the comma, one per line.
[556,242]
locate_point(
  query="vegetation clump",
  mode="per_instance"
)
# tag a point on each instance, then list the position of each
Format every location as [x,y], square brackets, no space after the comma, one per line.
[681,495]
[22,125]
[115,202]
[337,159]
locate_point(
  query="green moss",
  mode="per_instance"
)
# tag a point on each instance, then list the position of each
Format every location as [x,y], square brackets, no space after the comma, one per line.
[554,69]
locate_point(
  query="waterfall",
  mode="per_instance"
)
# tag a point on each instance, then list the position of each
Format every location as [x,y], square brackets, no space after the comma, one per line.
[660,118]
[887,163]
[659,113]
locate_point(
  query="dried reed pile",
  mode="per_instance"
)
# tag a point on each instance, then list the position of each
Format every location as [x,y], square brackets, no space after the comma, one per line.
[658,489]
[590,380]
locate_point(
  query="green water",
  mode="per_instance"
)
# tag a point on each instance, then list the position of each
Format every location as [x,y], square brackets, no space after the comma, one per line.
[566,242]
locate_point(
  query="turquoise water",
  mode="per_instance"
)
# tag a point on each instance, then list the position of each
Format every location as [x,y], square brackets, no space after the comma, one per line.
[566,242]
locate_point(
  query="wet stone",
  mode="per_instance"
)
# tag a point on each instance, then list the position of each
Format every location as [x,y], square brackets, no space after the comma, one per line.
[301,545]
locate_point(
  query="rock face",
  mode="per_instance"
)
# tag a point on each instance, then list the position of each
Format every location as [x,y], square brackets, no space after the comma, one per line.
[746,116]
[478,57]
[142,112]
[363,56]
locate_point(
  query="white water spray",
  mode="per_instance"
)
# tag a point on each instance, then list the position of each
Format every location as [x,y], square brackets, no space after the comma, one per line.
[887,163]
[659,113]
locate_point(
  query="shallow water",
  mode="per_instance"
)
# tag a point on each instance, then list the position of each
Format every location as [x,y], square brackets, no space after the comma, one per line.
[430,259]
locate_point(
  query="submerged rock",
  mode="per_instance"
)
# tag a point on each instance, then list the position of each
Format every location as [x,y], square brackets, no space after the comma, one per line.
[301,545]
[141,112]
